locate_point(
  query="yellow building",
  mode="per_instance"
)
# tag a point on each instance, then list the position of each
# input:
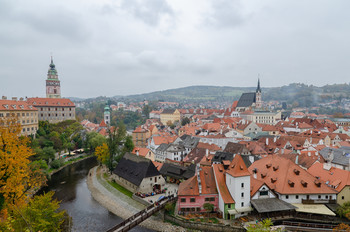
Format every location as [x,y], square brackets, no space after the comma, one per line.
[27,115]
[170,115]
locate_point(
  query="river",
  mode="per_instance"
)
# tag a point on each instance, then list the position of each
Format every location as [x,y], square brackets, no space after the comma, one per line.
[71,189]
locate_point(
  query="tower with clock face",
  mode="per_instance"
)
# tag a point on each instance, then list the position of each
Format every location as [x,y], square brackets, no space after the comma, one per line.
[53,86]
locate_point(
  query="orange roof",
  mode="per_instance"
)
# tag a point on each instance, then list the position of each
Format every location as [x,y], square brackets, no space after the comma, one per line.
[255,185]
[142,151]
[206,160]
[208,181]
[237,167]
[285,177]
[219,173]
[158,165]
[335,177]
[189,187]
[103,124]
[12,105]
[210,147]
[50,102]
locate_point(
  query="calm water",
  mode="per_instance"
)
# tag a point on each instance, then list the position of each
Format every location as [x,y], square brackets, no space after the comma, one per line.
[71,189]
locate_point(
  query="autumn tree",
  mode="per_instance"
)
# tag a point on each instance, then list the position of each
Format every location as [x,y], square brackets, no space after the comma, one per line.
[342,227]
[17,177]
[40,214]
[117,144]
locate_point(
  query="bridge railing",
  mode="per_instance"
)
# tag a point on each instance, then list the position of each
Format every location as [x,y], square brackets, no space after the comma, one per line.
[145,213]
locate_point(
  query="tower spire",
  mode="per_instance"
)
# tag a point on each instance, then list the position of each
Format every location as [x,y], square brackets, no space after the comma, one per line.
[258,89]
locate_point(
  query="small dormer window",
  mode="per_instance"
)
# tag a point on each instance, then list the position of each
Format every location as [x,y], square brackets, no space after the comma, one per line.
[6,106]
[21,106]
[14,106]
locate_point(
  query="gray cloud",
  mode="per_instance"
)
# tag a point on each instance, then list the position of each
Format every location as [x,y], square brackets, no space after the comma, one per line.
[225,14]
[150,12]
[126,47]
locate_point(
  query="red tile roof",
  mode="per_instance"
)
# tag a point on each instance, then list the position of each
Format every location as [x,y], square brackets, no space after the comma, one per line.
[12,105]
[336,177]
[237,167]
[50,102]
[208,181]
[189,187]
[285,177]
[219,173]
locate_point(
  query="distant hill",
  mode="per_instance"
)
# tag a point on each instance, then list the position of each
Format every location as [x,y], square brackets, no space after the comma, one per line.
[303,95]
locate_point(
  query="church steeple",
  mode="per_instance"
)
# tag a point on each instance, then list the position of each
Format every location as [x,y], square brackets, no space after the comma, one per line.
[53,86]
[258,89]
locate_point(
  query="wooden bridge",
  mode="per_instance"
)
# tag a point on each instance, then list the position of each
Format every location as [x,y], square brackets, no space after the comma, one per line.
[139,217]
[306,226]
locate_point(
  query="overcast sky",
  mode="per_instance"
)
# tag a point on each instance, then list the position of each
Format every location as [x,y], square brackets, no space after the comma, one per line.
[105,47]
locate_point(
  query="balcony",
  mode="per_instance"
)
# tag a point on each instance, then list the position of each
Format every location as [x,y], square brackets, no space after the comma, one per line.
[319,201]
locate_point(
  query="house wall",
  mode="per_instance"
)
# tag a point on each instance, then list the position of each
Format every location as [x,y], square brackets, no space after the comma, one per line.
[345,193]
[55,114]
[234,185]
[147,183]
[263,188]
[27,118]
[297,198]
[164,118]
[199,202]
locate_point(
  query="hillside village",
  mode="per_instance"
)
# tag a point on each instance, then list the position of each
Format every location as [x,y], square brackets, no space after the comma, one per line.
[244,160]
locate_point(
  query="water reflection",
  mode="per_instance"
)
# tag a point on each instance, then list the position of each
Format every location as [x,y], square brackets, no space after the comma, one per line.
[71,189]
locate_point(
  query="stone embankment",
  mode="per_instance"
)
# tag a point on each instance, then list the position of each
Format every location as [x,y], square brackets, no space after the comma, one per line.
[122,205]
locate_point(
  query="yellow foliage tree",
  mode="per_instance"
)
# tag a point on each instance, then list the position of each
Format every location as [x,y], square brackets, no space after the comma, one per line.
[102,153]
[18,179]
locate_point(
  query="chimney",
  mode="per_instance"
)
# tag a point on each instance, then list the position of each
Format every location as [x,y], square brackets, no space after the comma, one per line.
[4,98]
[137,152]
[14,98]
[282,151]
[297,159]
[308,153]
[274,139]
[21,99]
[255,173]
[206,152]
[267,141]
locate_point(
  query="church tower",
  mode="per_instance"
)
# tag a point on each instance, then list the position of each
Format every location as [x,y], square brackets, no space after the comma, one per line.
[53,86]
[107,115]
[258,100]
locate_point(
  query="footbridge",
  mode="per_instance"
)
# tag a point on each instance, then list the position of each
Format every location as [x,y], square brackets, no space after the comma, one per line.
[139,217]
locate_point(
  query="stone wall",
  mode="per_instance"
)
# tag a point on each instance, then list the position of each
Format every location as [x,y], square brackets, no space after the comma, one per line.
[202,226]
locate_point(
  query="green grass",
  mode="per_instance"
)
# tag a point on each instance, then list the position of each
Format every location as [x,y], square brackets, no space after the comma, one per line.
[117,186]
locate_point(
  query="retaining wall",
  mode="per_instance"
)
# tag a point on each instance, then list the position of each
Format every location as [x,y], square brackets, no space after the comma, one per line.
[203,226]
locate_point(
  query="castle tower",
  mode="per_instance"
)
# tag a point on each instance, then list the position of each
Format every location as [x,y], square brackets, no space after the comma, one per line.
[258,100]
[53,86]
[107,115]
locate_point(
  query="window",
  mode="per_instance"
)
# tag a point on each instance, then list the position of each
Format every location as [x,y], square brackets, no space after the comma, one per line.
[326,197]
[150,179]
[242,185]
[242,204]
[229,206]
[242,194]
[319,196]
[193,200]
[342,197]
[287,197]
[263,193]
[296,196]
[183,199]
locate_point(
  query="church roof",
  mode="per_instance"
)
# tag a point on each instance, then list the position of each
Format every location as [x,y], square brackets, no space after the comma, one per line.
[246,100]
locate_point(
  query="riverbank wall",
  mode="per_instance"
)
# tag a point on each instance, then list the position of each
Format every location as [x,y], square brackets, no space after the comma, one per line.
[123,206]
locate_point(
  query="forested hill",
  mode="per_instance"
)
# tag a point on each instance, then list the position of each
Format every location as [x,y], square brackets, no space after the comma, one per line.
[305,95]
